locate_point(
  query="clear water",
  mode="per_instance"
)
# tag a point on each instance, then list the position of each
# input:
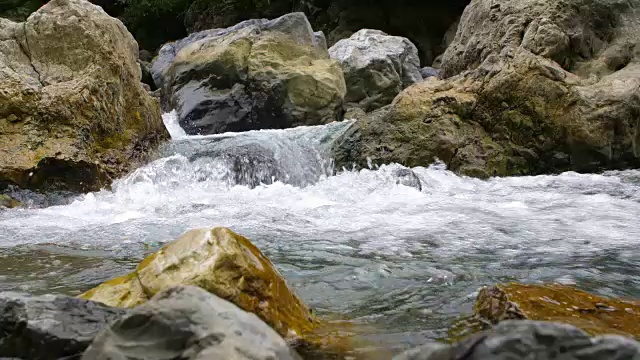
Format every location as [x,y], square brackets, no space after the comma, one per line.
[359,244]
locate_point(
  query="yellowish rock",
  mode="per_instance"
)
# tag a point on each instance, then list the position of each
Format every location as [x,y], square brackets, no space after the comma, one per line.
[558,303]
[222,262]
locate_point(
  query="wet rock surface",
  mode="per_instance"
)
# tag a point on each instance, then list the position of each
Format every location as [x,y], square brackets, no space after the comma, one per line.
[223,263]
[50,326]
[259,74]
[188,322]
[558,303]
[524,339]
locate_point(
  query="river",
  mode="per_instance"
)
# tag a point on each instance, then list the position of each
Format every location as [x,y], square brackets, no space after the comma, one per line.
[359,244]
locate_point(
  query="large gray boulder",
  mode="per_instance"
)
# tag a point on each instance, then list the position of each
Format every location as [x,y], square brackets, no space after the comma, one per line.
[255,75]
[49,327]
[527,87]
[73,112]
[376,67]
[524,339]
[188,322]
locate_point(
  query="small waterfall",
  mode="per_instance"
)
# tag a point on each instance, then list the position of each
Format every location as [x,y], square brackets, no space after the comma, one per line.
[298,157]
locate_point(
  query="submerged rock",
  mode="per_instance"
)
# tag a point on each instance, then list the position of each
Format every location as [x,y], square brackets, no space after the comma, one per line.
[407,177]
[376,67]
[223,263]
[593,314]
[529,88]
[188,322]
[73,113]
[49,327]
[525,339]
[258,74]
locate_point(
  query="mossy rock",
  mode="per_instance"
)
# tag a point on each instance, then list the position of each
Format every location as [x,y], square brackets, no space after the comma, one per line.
[260,74]
[594,314]
[222,262]
[231,267]
[73,113]
[9,202]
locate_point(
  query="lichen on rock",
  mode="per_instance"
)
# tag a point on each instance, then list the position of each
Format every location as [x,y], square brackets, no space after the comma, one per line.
[73,113]
[257,74]
[517,98]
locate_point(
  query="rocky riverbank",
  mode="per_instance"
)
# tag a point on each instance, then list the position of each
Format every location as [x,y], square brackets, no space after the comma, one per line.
[514,87]
[523,88]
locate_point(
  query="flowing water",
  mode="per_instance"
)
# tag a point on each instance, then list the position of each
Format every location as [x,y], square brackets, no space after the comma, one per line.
[360,244]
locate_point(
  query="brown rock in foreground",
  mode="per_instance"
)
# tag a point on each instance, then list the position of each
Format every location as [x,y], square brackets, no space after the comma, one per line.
[558,303]
[221,262]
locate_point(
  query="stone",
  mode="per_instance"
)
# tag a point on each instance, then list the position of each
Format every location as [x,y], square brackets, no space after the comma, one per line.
[521,93]
[258,74]
[520,339]
[223,263]
[376,67]
[49,326]
[398,134]
[594,314]
[70,81]
[8,202]
[407,177]
[428,72]
[188,322]
[425,22]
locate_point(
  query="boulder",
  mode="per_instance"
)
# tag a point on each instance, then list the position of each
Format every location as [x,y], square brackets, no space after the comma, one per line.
[424,22]
[525,339]
[188,322]
[558,303]
[73,113]
[255,75]
[50,326]
[376,67]
[223,263]
[529,87]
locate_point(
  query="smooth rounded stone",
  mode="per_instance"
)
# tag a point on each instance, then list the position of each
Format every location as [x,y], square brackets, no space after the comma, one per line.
[50,326]
[73,113]
[259,74]
[223,263]
[527,88]
[187,322]
[376,67]
[524,339]
[429,72]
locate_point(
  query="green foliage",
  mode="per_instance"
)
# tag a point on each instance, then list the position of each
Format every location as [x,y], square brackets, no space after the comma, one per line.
[19,10]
